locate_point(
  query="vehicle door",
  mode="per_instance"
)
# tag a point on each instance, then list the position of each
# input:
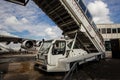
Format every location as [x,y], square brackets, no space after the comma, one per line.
[58,51]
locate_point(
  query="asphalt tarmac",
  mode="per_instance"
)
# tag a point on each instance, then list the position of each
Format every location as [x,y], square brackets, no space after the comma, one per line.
[108,69]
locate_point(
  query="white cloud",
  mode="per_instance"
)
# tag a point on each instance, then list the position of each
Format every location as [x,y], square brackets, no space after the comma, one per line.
[17,18]
[12,20]
[42,29]
[53,32]
[45,30]
[24,20]
[12,24]
[2,32]
[100,12]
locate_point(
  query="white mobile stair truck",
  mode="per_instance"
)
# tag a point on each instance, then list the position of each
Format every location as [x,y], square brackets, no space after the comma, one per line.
[85,43]
[73,18]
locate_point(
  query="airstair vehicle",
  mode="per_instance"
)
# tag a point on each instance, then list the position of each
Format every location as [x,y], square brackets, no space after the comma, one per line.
[84,44]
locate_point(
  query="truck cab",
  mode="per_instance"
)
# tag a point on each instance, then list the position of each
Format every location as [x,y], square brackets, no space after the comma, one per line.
[49,54]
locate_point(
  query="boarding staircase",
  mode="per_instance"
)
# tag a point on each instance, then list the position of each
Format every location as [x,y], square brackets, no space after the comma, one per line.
[61,12]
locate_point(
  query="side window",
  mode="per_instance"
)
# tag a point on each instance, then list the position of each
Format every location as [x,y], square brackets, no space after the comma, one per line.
[118,30]
[103,31]
[58,47]
[70,44]
[82,5]
[89,15]
[108,30]
[114,30]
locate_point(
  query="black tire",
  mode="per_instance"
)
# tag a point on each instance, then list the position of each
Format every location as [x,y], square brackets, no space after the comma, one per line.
[36,67]
[98,58]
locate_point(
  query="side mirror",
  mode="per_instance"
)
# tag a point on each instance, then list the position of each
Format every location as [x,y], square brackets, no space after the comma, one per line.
[21,2]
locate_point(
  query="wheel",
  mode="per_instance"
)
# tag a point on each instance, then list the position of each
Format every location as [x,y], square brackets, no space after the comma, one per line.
[98,58]
[36,67]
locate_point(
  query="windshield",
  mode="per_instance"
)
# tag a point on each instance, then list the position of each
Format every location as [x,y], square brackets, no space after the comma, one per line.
[45,47]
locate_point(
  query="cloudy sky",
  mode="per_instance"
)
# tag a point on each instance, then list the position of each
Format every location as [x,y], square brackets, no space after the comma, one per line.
[30,22]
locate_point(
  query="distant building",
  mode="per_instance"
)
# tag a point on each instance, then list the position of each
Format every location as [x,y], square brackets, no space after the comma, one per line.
[109,31]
